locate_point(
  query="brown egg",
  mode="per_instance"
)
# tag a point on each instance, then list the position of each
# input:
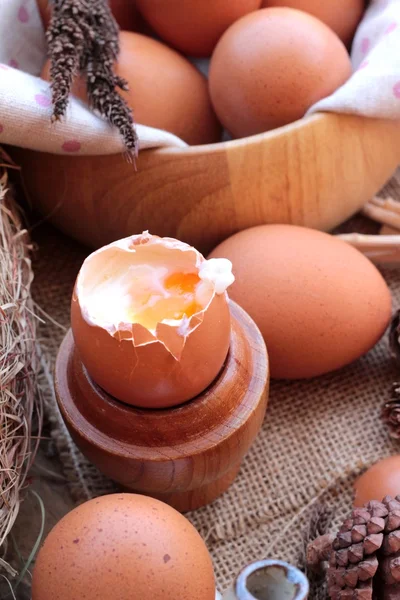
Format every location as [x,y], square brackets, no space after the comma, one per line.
[318,302]
[382,479]
[165,90]
[194,26]
[123,546]
[151,321]
[44,11]
[124,11]
[343,16]
[271,66]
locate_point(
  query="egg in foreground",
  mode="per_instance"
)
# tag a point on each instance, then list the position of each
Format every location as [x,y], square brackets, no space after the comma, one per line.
[380,480]
[271,66]
[151,321]
[123,546]
[319,303]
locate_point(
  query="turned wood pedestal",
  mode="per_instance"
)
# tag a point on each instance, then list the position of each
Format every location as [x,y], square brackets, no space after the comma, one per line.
[186,456]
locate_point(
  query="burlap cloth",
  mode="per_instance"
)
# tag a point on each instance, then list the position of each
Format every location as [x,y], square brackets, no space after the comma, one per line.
[317,436]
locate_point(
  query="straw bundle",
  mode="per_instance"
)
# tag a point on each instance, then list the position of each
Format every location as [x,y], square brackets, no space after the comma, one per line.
[20,401]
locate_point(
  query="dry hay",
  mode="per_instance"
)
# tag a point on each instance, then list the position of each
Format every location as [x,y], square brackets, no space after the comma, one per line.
[20,398]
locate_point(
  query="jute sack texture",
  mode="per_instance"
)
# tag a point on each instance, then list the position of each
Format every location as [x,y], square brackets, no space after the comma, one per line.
[317,436]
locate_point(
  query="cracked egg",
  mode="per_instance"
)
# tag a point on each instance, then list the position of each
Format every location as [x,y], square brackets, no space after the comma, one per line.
[151,321]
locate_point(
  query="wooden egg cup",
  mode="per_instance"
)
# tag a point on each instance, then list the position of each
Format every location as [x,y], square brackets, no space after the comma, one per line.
[187,455]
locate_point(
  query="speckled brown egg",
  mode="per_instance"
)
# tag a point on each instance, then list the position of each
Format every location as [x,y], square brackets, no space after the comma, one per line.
[194,26]
[271,66]
[380,480]
[123,547]
[343,16]
[165,90]
[319,303]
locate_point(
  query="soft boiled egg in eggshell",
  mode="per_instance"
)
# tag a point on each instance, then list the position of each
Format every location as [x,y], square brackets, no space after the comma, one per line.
[151,320]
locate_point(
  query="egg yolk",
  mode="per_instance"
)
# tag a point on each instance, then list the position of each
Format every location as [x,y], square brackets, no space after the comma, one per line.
[171,299]
[183,285]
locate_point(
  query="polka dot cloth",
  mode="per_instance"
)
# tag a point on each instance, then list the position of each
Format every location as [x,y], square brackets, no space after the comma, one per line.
[374,88]
[25,99]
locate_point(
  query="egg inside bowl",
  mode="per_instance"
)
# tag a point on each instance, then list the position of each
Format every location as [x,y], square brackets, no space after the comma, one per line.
[315,172]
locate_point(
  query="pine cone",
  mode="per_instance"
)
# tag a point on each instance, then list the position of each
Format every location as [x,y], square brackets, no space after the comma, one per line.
[394,337]
[364,557]
[391,412]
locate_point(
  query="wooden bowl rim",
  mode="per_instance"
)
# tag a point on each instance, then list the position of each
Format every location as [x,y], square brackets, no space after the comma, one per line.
[306,122]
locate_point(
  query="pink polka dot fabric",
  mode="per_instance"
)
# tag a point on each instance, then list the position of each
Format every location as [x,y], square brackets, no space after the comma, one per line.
[25,99]
[23,14]
[72,146]
[374,88]
[22,41]
[396,90]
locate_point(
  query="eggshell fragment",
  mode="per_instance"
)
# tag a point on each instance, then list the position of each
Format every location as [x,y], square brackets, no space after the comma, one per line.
[342,16]
[271,66]
[319,303]
[165,90]
[380,480]
[147,358]
[194,26]
[123,546]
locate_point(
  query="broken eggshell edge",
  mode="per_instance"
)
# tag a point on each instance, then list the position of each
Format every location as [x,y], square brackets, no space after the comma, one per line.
[103,344]
[216,272]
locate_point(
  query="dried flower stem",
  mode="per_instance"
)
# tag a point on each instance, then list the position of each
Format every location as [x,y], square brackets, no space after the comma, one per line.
[313,555]
[380,249]
[385,211]
[83,41]
[20,402]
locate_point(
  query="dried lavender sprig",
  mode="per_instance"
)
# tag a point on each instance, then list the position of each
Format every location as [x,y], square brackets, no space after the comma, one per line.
[83,39]
[66,46]
[105,99]
[102,82]
[20,395]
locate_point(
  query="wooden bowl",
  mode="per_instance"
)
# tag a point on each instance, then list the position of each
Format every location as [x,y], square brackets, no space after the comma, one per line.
[316,172]
[187,455]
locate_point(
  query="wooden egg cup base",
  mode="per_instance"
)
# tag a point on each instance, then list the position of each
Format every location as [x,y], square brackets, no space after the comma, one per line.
[186,456]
